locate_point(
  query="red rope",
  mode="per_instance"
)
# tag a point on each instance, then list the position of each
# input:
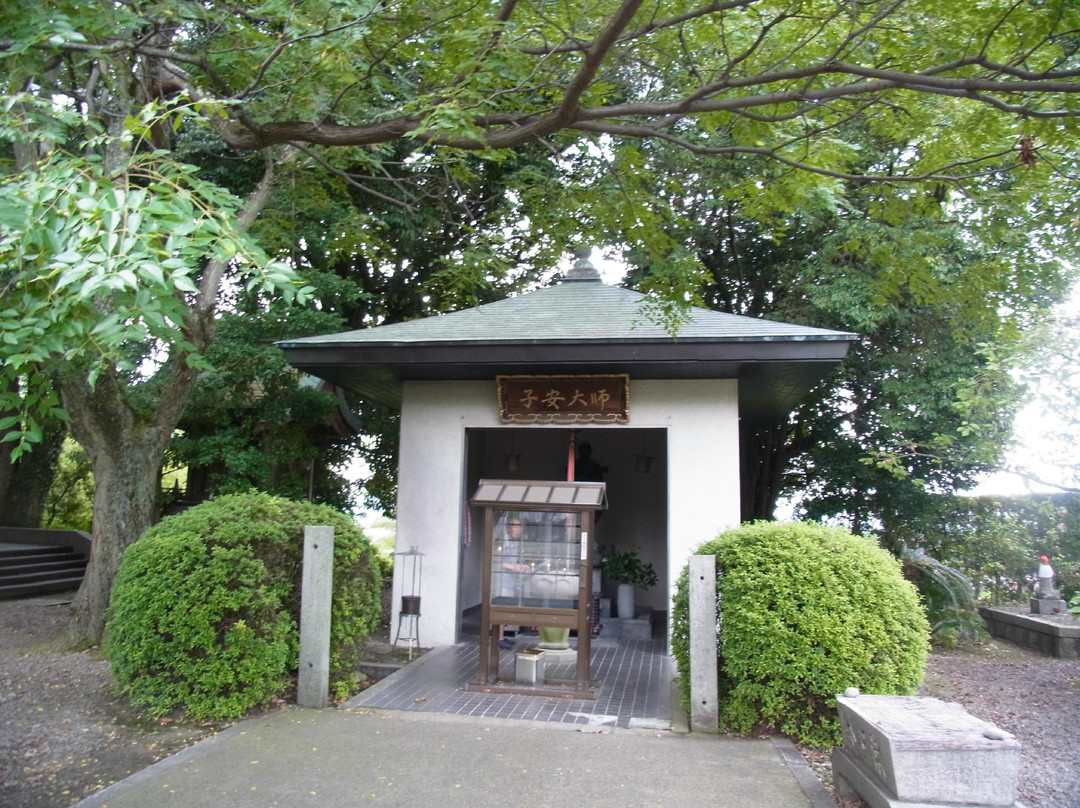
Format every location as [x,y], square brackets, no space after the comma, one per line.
[570,461]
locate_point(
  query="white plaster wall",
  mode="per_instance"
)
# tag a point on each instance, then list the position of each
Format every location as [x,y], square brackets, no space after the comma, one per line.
[701,419]
[431,496]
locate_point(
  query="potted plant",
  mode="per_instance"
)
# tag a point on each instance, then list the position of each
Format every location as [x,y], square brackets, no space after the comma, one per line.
[630,572]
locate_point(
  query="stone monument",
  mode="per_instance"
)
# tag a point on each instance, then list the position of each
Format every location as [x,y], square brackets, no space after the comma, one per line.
[917,752]
[1047,600]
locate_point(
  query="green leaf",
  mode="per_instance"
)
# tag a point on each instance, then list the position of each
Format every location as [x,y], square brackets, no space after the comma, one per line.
[152,272]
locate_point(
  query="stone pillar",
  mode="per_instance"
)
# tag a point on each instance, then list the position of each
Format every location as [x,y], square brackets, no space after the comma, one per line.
[704,714]
[313,685]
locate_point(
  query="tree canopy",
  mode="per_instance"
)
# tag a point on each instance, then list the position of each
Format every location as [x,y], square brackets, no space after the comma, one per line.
[940,286]
[777,78]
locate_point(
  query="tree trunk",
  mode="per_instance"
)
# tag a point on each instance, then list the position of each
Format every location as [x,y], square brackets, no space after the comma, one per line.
[125,496]
[126,440]
[24,485]
[7,467]
[126,449]
[764,459]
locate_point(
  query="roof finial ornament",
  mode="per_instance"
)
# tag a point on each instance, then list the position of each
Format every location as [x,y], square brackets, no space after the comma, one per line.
[583,269]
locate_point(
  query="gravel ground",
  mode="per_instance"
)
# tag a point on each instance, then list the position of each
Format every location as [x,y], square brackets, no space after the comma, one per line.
[1034,697]
[64,735]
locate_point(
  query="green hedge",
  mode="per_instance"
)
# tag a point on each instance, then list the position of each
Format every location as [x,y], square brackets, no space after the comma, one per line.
[205,610]
[805,612]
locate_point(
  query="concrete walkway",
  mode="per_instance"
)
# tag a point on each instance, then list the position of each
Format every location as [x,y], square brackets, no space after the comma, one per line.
[350,757]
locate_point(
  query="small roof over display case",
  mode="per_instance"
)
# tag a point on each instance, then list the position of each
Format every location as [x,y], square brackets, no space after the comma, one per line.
[541,495]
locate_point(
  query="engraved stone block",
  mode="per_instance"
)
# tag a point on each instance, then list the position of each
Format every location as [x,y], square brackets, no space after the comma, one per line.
[923,750]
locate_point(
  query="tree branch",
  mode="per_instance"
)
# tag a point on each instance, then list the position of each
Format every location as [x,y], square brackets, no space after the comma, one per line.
[511,117]
[351,180]
[594,58]
[644,133]
[284,45]
[200,325]
[638,33]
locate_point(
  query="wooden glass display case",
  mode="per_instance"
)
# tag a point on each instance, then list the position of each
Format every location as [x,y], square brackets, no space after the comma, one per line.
[537,568]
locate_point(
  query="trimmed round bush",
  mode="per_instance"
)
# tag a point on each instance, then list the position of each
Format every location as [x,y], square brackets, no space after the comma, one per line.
[805,612]
[204,615]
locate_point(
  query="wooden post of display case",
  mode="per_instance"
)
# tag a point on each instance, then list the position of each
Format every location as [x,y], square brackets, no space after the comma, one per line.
[584,636]
[486,629]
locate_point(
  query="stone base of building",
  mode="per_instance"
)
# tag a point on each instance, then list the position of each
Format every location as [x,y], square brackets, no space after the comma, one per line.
[637,628]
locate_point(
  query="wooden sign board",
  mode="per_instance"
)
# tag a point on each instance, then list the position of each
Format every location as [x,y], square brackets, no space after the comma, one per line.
[603,399]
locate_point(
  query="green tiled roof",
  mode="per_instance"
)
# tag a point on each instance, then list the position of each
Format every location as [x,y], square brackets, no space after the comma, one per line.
[578,326]
[573,311]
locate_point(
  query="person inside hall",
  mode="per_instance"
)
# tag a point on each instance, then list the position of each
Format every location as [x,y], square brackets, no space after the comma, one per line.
[586,469]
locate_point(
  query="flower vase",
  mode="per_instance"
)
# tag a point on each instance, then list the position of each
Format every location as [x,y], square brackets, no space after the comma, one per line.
[625,601]
[555,639]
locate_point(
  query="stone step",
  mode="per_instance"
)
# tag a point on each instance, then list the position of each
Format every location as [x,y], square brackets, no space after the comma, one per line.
[22,590]
[379,670]
[23,553]
[71,561]
[27,570]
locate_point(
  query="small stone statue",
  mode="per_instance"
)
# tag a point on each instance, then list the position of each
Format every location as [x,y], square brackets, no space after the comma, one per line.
[1047,600]
[1046,579]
